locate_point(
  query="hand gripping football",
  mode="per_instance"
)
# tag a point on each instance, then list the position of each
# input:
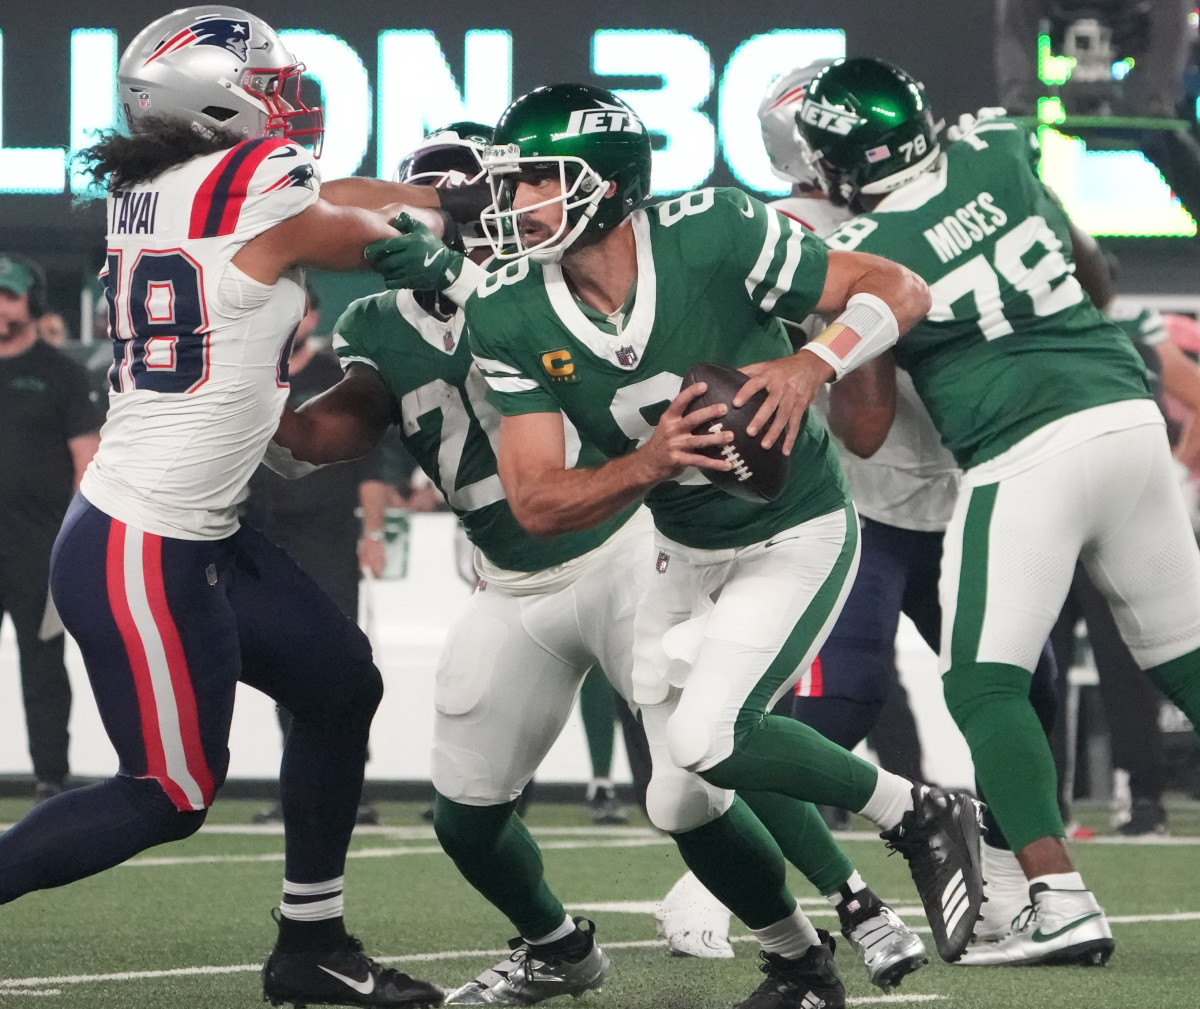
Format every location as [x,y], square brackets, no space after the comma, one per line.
[758,474]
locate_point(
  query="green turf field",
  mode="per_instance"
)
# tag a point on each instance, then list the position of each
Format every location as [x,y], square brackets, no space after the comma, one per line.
[188,924]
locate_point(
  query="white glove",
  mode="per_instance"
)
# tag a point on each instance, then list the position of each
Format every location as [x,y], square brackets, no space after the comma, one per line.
[968,121]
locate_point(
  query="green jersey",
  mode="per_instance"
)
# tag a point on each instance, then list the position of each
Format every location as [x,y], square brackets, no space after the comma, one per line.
[439,401]
[714,270]
[1012,342]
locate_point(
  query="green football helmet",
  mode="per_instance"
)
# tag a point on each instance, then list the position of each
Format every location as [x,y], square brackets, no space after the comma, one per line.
[585,137]
[870,129]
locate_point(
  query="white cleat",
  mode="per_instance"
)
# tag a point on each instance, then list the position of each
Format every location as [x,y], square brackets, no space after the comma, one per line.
[1059,927]
[693,921]
[1006,893]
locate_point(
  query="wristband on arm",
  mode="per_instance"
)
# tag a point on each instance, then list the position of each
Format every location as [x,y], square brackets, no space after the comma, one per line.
[864,330]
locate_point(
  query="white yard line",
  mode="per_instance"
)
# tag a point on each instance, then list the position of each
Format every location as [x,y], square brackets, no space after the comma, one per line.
[37,985]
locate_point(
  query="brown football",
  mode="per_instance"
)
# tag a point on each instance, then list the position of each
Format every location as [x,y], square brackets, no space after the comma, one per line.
[758,474]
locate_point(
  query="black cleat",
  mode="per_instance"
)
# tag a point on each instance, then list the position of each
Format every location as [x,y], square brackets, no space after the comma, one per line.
[345,976]
[939,838]
[810,982]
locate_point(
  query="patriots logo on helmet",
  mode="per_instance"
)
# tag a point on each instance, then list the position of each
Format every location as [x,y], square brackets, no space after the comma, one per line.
[224,33]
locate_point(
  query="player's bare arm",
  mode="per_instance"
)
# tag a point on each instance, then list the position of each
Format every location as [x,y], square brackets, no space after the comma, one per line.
[322,235]
[793,382]
[344,422]
[377,194]
[862,405]
[548,499]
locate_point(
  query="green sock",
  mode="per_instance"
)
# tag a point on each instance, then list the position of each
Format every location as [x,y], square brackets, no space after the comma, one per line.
[1013,763]
[598,709]
[776,754]
[1179,679]
[497,856]
[741,865]
[803,837]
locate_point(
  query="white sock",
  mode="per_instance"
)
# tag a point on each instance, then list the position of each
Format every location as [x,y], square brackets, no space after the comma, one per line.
[790,937]
[853,884]
[563,930]
[313,901]
[1060,881]
[596,784]
[891,799]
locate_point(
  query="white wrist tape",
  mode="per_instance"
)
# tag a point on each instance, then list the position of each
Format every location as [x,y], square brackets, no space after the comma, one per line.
[280,460]
[864,330]
[470,277]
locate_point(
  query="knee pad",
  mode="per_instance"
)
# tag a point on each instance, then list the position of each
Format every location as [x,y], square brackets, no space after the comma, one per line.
[677,801]
[689,739]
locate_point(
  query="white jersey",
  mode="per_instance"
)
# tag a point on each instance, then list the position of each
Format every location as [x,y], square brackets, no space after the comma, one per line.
[912,480]
[199,374]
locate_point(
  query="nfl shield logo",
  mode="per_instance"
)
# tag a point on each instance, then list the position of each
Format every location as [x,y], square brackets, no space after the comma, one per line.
[660,565]
[626,357]
[448,340]
[144,99]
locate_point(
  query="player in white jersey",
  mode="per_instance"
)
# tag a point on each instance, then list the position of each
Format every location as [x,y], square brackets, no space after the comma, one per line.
[213,211]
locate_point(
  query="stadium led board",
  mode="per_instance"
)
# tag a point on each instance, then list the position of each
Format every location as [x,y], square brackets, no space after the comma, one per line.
[385,76]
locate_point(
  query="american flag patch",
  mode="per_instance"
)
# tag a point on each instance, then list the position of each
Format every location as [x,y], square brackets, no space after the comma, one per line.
[878,154]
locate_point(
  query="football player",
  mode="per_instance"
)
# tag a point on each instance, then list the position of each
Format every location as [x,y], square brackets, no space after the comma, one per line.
[603,308]
[1047,409]
[215,206]
[516,657]
[904,493]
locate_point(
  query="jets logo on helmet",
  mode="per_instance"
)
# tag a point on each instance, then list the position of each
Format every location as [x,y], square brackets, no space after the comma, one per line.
[870,128]
[606,119]
[582,137]
[827,117]
[790,157]
[212,31]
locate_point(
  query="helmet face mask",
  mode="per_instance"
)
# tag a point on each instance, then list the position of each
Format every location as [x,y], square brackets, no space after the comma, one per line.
[870,129]
[449,157]
[220,70]
[587,140]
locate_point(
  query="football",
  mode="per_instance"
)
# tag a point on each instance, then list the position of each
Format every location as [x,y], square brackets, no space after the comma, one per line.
[758,474]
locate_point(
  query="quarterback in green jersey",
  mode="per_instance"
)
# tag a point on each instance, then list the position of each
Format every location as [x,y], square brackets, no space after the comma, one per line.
[547,610]
[1046,406]
[605,305]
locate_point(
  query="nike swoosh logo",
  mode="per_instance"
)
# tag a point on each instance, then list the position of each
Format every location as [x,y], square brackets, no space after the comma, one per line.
[362,987]
[1040,936]
[287,152]
[749,211]
[774,542]
[430,259]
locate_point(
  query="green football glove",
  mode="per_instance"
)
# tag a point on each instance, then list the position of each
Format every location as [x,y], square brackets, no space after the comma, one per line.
[417,260]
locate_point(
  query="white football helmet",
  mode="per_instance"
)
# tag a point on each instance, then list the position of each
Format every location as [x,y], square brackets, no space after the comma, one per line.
[220,69]
[791,158]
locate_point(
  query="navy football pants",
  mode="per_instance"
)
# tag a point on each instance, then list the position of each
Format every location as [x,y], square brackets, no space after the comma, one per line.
[167,628]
